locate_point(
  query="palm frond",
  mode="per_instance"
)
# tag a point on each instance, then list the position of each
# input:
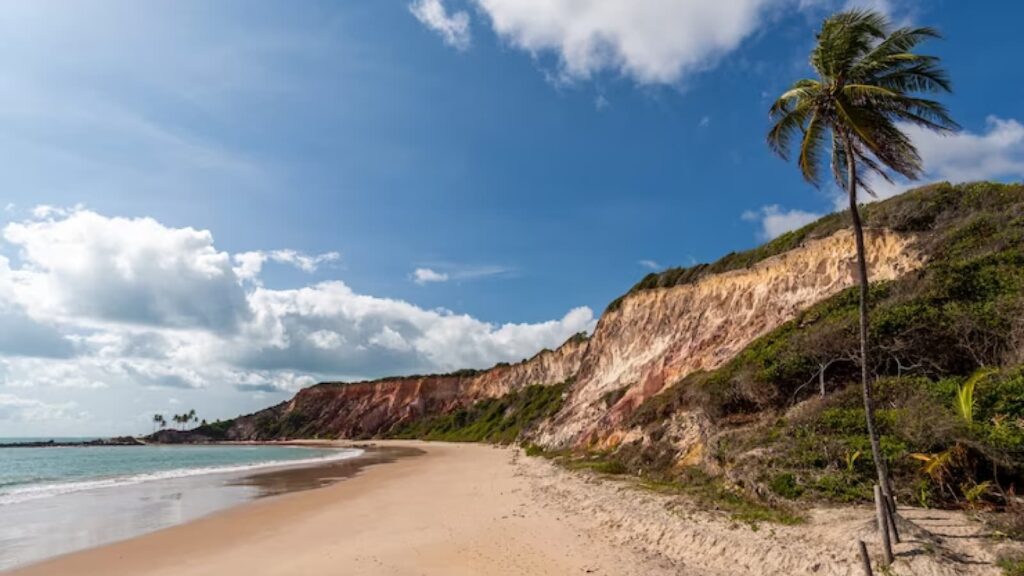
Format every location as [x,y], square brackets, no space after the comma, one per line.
[845,38]
[811,148]
[781,134]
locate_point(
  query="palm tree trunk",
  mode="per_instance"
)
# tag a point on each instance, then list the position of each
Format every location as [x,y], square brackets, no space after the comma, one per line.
[862,272]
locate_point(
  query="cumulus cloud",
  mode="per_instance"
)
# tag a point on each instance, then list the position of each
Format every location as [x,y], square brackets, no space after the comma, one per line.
[423,276]
[249,265]
[651,41]
[775,221]
[100,307]
[134,270]
[453,28]
[329,328]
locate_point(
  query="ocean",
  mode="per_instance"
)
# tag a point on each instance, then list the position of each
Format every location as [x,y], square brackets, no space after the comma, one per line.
[59,499]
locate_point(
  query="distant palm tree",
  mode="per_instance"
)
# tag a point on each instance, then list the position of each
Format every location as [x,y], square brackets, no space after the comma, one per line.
[157,419]
[867,83]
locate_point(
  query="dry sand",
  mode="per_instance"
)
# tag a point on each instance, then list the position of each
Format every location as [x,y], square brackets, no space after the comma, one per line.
[472,509]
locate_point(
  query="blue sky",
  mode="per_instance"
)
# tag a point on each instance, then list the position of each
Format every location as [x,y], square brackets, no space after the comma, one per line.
[245,197]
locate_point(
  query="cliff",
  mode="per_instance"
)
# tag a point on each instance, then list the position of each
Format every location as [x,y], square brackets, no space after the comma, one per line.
[655,337]
[372,408]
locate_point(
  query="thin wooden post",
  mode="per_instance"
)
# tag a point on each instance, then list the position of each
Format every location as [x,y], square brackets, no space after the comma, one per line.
[882,512]
[891,509]
[864,558]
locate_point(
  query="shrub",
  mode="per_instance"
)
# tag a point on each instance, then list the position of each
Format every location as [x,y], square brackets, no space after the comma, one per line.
[500,420]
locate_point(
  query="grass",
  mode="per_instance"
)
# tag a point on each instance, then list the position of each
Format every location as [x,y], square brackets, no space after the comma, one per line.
[1011,565]
[708,492]
[500,420]
[712,493]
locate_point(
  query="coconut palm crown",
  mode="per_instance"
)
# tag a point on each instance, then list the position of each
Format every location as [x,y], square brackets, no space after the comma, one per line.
[869,82]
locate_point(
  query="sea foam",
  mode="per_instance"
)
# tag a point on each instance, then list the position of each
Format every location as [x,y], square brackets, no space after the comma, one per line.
[39,491]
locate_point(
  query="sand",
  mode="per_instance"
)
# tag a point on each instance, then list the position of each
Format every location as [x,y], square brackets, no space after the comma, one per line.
[470,509]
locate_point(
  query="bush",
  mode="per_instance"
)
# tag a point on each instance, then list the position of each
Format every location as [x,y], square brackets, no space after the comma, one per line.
[785,485]
[500,420]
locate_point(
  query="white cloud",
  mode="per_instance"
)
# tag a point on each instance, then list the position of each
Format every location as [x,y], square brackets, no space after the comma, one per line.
[266,383]
[105,310]
[995,154]
[650,264]
[775,221]
[16,409]
[249,265]
[379,335]
[445,271]
[705,121]
[423,276]
[651,41]
[326,339]
[453,28]
[135,270]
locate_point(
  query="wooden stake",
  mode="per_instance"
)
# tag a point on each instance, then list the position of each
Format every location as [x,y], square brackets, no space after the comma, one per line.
[891,509]
[864,558]
[882,512]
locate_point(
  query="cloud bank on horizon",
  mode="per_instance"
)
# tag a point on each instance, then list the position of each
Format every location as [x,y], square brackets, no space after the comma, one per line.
[95,302]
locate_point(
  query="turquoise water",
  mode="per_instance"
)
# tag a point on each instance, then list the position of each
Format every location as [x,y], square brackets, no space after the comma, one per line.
[35,473]
[59,500]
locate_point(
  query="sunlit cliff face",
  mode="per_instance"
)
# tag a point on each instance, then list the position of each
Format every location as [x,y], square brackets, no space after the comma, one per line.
[658,336]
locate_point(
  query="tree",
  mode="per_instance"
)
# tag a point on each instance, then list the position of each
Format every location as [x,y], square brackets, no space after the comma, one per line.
[867,89]
[158,421]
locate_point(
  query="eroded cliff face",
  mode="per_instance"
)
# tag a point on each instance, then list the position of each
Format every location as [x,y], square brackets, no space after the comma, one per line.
[651,340]
[655,337]
[365,409]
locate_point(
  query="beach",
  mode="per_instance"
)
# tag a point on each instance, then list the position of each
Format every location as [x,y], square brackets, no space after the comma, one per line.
[462,509]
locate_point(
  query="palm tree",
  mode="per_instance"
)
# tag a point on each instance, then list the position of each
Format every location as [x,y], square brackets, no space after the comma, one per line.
[158,420]
[868,87]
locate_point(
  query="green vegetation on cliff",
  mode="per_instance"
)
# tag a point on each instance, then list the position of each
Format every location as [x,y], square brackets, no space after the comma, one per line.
[930,331]
[499,420]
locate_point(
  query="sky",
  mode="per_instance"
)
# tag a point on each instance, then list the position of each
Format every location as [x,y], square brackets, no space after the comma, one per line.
[210,205]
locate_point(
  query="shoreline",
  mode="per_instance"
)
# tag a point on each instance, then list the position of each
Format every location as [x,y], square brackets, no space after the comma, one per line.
[53,519]
[452,509]
[466,509]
